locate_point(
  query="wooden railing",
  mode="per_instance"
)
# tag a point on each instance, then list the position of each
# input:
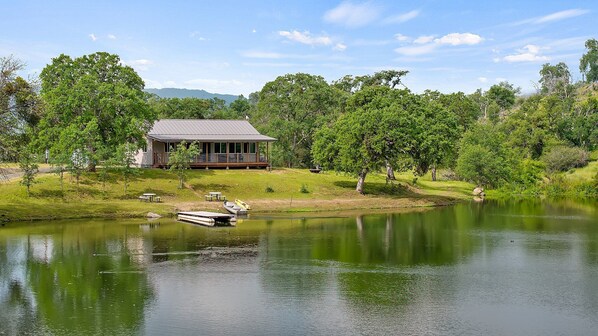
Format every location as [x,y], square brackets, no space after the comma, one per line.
[161,159]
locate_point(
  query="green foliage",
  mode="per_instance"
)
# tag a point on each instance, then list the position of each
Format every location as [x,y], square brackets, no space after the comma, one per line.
[435,140]
[483,157]
[555,79]
[588,64]
[269,189]
[29,167]
[304,189]
[20,107]
[377,127]
[560,159]
[93,105]
[503,94]
[124,161]
[290,109]
[180,159]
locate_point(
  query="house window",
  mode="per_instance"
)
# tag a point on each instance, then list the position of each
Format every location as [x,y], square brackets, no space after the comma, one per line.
[234,147]
[144,147]
[169,147]
[220,147]
[252,147]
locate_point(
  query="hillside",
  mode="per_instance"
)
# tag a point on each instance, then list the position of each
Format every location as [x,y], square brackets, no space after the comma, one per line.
[186,93]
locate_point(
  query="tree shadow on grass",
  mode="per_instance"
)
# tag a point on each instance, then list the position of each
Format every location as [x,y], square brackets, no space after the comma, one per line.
[49,193]
[207,187]
[396,190]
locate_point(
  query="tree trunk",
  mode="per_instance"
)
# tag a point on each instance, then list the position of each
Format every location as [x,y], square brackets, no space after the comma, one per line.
[434,172]
[390,173]
[361,180]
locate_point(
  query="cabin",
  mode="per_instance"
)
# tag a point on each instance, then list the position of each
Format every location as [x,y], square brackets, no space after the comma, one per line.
[223,143]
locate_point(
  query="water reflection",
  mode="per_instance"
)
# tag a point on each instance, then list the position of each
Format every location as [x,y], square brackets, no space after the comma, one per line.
[453,270]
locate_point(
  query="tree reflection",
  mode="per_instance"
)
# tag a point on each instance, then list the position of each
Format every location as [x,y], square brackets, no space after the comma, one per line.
[83,289]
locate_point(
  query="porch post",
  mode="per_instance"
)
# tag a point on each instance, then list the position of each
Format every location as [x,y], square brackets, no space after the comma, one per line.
[257,152]
[227,144]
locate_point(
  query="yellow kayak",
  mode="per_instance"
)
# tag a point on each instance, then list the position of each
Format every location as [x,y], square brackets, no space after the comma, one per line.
[242,204]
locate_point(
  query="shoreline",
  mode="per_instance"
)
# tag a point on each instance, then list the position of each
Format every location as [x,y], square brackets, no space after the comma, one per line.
[369,204]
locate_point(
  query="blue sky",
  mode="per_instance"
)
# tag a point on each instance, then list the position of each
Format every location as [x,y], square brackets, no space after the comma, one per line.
[237,46]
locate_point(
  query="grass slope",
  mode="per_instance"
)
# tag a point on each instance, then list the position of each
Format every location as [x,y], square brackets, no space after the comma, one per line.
[326,191]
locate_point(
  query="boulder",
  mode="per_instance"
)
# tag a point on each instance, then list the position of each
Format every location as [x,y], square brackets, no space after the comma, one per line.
[479,191]
[152,215]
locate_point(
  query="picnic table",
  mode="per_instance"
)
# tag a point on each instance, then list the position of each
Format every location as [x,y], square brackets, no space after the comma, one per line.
[217,195]
[149,197]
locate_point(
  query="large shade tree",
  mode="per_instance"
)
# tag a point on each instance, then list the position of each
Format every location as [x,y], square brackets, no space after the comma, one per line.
[588,64]
[375,129]
[94,103]
[20,107]
[290,109]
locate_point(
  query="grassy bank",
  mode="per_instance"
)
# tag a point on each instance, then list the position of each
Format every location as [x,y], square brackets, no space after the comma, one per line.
[276,191]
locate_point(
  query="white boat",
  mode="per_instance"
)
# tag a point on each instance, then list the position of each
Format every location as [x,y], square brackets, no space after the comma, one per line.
[234,209]
[242,204]
[207,218]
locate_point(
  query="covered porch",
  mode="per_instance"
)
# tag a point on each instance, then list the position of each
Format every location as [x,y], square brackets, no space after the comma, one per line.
[217,154]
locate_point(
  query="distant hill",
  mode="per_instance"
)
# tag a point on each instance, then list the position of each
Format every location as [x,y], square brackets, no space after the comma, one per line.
[186,93]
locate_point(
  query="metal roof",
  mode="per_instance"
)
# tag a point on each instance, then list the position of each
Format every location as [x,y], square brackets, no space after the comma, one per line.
[205,130]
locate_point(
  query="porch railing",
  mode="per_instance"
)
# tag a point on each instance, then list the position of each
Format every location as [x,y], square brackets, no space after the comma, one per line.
[162,158]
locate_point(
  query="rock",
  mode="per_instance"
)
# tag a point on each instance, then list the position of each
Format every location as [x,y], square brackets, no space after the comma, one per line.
[152,215]
[479,191]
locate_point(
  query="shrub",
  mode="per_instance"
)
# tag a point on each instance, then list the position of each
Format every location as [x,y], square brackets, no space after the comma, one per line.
[560,159]
[303,189]
[269,189]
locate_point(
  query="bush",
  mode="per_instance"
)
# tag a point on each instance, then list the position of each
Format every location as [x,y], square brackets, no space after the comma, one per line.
[303,189]
[269,189]
[561,159]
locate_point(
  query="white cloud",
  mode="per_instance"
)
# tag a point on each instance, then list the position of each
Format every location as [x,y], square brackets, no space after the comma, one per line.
[352,15]
[557,16]
[305,37]
[402,38]
[529,53]
[112,37]
[456,39]
[424,39]
[425,44]
[254,31]
[340,47]
[416,50]
[140,64]
[401,17]
[170,83]
[483,79]
[93,37]
[566,14]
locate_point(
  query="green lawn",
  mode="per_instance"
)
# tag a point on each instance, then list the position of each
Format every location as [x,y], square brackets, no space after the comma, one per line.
[92,199]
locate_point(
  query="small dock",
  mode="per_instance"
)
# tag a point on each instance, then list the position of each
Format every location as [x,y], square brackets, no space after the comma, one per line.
[207,218]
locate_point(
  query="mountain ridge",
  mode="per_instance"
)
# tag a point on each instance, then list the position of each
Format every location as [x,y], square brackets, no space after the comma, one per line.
[190,93]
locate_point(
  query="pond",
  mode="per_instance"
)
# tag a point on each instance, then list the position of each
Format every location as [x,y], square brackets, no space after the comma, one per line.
[519,268]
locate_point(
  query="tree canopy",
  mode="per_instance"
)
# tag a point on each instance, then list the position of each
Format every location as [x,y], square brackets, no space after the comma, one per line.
[20,107]
[290,109]
[376,128]
[93,104]
[588,64]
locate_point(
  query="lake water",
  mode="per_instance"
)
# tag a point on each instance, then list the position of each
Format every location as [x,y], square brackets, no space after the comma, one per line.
[521,268]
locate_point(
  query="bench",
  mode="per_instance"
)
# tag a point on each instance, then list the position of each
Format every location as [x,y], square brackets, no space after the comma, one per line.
[157,199]
[209,198]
